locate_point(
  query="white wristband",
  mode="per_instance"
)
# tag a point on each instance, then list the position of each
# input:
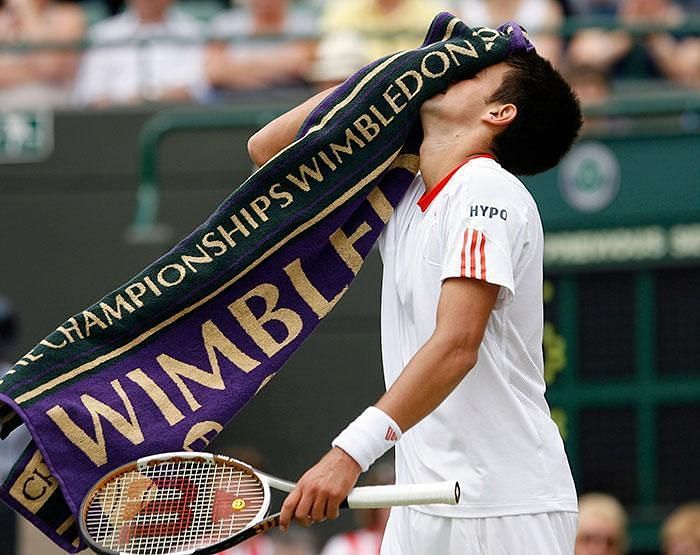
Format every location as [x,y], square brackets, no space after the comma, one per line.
[368,437]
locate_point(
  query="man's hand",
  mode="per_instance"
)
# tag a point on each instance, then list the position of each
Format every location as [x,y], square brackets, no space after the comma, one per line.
[321,490]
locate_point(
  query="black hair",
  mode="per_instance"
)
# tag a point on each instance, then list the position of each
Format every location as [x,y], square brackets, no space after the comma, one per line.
[548,118]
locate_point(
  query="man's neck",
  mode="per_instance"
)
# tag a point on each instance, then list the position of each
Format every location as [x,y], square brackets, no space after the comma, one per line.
[440,155]
[152,18]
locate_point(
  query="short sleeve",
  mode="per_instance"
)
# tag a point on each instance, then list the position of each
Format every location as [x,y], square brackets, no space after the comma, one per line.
[481,225]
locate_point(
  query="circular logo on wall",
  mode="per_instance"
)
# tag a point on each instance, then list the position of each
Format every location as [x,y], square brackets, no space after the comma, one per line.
[589,177]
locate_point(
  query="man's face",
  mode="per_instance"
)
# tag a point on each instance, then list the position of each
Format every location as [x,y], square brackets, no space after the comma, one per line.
[597,535]
[150,10]
[466,101]
[681,546]
[269,8]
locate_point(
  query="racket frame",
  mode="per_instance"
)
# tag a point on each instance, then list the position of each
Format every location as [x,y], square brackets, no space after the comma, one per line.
[256,526]
[360,498]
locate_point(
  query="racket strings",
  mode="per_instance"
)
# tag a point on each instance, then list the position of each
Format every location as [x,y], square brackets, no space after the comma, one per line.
[172,506]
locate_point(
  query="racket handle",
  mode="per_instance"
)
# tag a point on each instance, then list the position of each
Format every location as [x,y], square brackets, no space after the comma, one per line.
[374,497]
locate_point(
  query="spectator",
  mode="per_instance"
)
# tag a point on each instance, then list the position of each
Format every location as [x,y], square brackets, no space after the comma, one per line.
[152,51]
[680,533]
[368,539]
[591,85]
[602,526]
[266,58]
[657,54]
[358,32]
[674,56]
[537,16]
[42,77]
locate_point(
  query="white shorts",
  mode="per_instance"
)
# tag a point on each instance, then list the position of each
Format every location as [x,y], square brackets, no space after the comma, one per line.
[409,532]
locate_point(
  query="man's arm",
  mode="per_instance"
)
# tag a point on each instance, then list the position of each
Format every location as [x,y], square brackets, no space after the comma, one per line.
[430,376]
[280,132]
[445,359]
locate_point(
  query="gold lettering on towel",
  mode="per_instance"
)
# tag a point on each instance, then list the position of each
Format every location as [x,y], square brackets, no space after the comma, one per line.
[254,325]
[307,291]
[346,197]
[68,328]
[345,246]
[367,127]
[382,119]
[136,291]
[159,397]
[237,227]
[47,343]
[417,79]
[211,242]
[96,449]
[260,206]
[167,278]
[190,260]
[304,173]
[380,204]
[108,312]
[432,74]
[350,137]
[468,51]
[392,98]
[214,341]
[35,485]
[92,320]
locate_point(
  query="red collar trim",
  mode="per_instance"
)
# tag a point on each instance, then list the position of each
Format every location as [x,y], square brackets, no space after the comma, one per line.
[428,197]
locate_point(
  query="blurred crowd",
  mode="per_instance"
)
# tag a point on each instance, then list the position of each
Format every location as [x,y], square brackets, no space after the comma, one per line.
[603,528]
[111,52]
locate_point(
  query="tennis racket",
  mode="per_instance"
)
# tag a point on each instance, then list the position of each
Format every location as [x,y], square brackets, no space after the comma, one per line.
[199,503]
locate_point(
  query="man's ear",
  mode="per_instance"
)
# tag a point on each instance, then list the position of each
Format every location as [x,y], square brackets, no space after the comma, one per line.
[501,115]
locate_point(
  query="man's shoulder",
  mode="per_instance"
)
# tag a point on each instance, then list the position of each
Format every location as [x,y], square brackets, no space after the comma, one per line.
[486,177]
[487,170]
[484,186]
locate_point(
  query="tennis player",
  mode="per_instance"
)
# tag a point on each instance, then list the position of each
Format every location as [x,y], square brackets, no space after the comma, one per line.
[462,323]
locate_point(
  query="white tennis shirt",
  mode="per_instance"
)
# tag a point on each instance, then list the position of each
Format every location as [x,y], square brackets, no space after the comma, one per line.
[493,433]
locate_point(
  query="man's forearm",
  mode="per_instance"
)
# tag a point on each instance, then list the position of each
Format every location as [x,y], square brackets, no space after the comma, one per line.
[445,359]
[431,375]
[280,133]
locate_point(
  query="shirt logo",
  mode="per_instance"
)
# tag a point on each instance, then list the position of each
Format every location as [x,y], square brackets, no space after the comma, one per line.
[476,210]
[390,434]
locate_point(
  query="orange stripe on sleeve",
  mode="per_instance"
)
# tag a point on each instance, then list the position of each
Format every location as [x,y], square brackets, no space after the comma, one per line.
[463,268]
[483,257]
[472,253]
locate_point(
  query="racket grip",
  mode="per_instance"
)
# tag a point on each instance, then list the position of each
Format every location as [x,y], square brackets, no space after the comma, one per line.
[374,497]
